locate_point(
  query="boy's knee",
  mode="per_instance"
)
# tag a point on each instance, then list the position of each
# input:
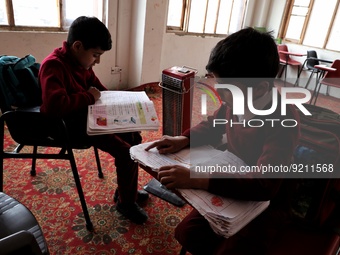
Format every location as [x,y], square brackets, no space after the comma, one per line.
[178,234]
[183,234]
[136,138]
[132,138]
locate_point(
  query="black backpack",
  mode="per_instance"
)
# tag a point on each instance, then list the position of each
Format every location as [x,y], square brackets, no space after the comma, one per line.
[19,86]
[317,195]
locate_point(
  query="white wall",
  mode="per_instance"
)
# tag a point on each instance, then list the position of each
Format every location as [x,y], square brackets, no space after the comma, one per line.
[148,23]
[142,48]
[136,42]
[274,16]
[36,43]
[186,51]
[40,44]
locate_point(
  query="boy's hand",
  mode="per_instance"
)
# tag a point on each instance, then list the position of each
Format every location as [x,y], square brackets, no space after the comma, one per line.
[95,92]
[178,177]
[169,144]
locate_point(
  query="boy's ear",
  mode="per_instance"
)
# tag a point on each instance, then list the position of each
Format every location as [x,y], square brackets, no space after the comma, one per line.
[77,45]
[261,89]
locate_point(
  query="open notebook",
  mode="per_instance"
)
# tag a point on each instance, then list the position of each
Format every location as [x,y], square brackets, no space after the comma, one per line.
[225,215]
[121,111]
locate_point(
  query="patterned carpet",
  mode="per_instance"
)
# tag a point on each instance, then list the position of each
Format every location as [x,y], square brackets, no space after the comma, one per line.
[53,199]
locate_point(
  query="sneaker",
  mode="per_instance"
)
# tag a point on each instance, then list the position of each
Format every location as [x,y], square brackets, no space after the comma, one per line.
[132,211]
[142,196]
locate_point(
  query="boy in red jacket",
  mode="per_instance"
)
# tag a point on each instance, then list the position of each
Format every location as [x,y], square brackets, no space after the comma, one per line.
[69,86]
[245,59]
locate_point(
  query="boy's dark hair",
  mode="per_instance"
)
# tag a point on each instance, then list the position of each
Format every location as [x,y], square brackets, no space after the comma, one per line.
[247,53]
[91,32]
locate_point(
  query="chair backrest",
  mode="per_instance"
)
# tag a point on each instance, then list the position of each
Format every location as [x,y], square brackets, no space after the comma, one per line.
[332,78]
[282,47]
[310,62]
[33,128]
[20,232]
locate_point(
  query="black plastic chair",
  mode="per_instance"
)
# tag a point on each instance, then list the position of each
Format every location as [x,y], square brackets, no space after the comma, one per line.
[31,128]
[308,65]
[28,127]
[20,232]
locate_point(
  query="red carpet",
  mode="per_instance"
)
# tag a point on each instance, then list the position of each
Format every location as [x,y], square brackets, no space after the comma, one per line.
[53,199]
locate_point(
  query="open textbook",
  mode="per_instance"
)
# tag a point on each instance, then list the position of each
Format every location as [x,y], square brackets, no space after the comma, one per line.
[121,111]
[225,215]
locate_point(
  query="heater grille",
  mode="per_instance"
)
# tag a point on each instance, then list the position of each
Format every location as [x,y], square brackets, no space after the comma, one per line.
[176,100]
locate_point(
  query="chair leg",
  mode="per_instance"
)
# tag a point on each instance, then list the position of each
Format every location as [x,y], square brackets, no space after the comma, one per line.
[285,75]
[327,91]
[100,172]
[279,73]
[1,173]
[298,76]
[310,77]
[18,148]
[283,70]
[89,224]
[34,161]
[315,94]
[2,134]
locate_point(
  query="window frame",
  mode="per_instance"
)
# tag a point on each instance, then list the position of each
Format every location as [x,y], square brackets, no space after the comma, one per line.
[63,26]
[185,17]
[286,18]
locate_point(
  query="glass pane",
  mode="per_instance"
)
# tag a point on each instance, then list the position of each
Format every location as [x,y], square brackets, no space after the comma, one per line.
[237,15]
[74,9]
[3,13]
[334,37]
[197,16]
[224,17]
[211,16]
[175,13]
[295,27]
[37,13]
[302,11]
[302,3]
[319,23]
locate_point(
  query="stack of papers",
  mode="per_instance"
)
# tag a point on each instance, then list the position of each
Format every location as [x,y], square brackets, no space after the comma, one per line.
[186,157]
[121,111]
[225,215]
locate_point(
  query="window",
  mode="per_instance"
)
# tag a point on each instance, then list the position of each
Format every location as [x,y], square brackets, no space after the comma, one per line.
[298,18]
[54,15]
[314,23]
[205,17]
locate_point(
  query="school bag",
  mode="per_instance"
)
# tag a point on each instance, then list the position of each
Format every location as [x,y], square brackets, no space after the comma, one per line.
[317,195]
[19,82]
